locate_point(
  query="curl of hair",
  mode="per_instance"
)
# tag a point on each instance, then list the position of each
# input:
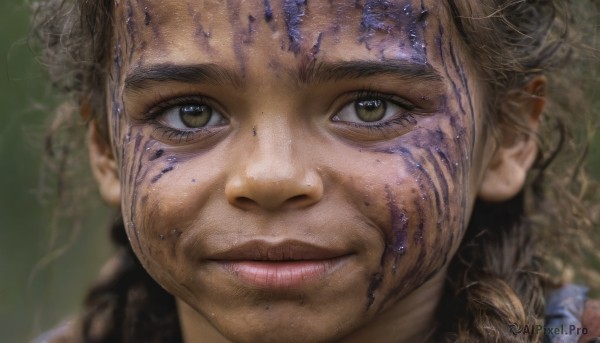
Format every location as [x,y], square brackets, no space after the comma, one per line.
[126,304]
[509,255]
[511,252]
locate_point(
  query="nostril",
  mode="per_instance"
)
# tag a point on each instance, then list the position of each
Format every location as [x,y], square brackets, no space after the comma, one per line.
[298,199]
[276,191]
[245,203]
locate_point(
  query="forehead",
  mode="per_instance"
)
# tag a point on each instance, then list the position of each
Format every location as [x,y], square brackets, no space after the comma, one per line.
[242,33]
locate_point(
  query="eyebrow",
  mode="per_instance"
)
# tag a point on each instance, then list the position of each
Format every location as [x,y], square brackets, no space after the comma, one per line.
[142,77]
[322,72]
[305,75]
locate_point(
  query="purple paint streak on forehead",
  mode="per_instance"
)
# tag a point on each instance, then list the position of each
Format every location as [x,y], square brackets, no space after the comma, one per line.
[414,35]
[373,16]
[268,11]
[293,11]
[317,47]
[389,18]
[251,28]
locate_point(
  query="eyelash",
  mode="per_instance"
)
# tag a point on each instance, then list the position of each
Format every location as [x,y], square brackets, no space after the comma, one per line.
[386,127]
[172,134]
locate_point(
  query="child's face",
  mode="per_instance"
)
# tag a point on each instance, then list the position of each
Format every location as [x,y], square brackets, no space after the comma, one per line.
[294,166]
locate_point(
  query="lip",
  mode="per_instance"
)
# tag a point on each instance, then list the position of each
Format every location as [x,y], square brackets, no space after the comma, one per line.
[290,264]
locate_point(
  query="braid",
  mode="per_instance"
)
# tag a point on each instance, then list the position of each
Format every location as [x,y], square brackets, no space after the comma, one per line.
[126,305]
[493,282]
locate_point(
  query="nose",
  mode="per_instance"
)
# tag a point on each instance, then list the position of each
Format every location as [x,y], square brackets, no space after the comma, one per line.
[272,176]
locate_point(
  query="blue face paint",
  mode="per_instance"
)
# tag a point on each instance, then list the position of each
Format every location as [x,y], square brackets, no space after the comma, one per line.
[268,11]
[293,11]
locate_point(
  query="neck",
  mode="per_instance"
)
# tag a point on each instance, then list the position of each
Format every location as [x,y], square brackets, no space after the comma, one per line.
[411,319]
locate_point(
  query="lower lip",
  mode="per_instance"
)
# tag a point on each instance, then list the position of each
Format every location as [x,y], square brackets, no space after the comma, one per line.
[281,275]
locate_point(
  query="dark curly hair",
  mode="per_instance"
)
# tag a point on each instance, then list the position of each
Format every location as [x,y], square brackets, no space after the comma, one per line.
[512,251]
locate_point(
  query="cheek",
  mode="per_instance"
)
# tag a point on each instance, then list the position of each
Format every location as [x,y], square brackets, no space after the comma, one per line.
[418,203]
[156,194]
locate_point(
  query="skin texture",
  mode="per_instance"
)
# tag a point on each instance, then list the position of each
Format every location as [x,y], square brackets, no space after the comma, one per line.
[285,164]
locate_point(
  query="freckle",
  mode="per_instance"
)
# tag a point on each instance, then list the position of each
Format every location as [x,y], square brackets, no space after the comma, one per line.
[194,180]
[367,204]
[378,161]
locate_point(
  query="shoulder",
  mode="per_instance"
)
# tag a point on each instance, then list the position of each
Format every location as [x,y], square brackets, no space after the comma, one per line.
[591,321]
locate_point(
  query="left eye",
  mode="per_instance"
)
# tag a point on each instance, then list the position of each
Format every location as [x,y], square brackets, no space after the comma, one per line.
[369,110]
[192,116]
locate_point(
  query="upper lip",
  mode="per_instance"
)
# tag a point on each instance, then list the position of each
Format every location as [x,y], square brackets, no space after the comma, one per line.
[279,251]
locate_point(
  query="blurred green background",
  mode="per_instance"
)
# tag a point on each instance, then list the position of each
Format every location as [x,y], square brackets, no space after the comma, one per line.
[36,291]
[35,294]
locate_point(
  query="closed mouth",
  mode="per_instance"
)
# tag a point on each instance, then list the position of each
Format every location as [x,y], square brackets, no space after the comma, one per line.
[282,265]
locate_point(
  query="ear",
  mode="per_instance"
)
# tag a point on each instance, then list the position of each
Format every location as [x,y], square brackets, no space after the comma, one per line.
[507,170]
[104,166]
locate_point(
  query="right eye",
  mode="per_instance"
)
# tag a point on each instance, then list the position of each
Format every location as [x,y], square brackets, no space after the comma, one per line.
[191,116]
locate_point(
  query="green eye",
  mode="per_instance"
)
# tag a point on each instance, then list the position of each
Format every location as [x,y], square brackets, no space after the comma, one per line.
[370,110]
[195,116]
[367,109]
[190,115]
